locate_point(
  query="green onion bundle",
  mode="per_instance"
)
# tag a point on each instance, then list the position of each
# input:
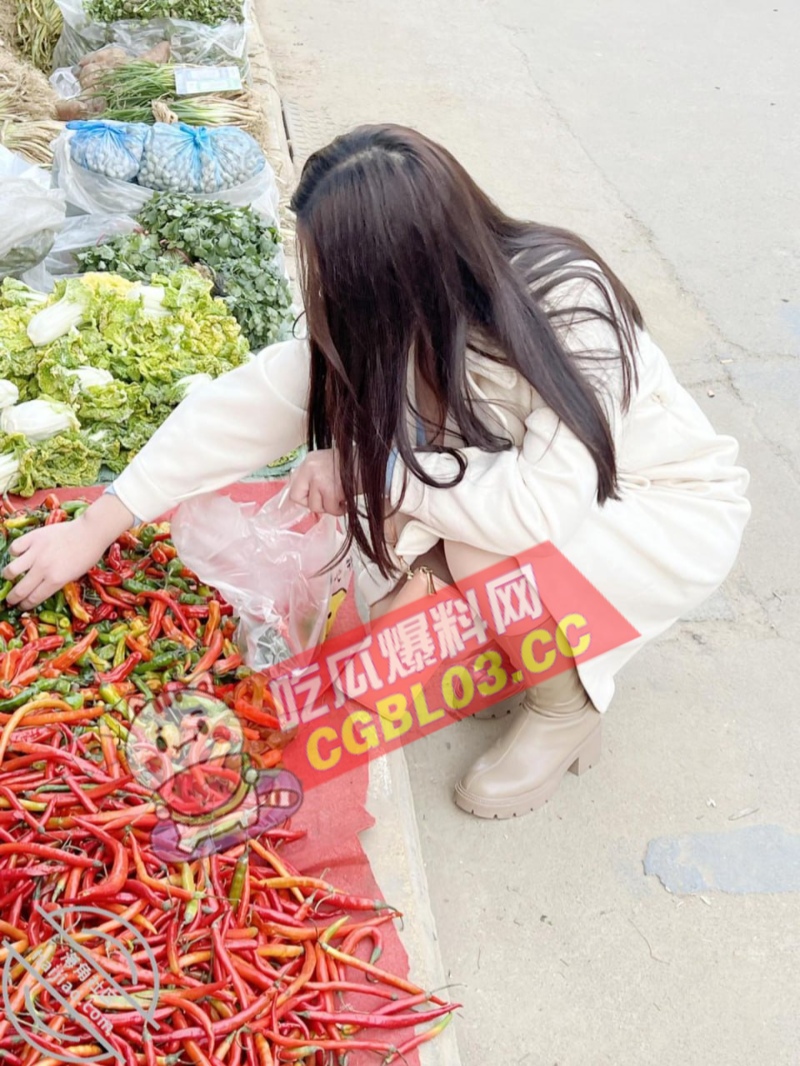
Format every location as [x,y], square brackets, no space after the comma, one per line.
[39,26]
[145,92]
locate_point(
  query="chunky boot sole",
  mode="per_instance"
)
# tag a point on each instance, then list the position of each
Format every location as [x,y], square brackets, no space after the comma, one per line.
[583,758]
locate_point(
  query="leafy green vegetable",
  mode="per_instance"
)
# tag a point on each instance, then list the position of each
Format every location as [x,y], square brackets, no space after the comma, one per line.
[136,256]
[121,368]
[209,12]
[16,356]
[14,293]
[236,245]
[68,459]
[115,402]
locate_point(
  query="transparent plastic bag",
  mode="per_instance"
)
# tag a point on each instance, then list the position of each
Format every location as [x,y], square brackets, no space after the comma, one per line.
[194,159]
[190,42]
[265,559]
[31,214]
[111,149]
[95,194]
[77,233]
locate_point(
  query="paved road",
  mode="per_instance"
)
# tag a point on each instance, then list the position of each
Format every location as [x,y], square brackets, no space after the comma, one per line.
[666,134]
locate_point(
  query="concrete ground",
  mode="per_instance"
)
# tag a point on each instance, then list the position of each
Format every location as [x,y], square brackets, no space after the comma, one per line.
[666,134]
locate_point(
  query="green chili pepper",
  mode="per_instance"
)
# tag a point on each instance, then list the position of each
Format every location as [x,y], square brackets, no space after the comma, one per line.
[110,695]
[140,586]
[74,507]
[158,662]
[5,588]
[142,687]
[189,597]
[76,700]
[237,881]
[27,694]
[115,727]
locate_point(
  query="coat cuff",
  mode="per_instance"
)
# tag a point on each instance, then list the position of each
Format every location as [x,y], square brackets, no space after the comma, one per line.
[140,497]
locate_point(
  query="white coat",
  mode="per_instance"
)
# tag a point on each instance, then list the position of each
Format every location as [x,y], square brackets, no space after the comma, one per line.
[656,553]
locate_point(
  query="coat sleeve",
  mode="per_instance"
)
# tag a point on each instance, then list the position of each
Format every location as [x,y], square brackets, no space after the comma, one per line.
[511,501]
[223,431]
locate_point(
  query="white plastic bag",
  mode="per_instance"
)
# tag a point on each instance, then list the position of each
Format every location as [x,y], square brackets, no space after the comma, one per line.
[190,42]
[30,214]
[77,233]
[265,568]
[96,194]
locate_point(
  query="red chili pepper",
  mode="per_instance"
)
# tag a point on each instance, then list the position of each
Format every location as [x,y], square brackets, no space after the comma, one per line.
[70,655]
[171,605]
[227,666]
[253,714]
[56,515]
[45,644]
[104,577]
[208,658]
[7,631]
[115,880]
[128,540]
[119,673]
[156,616]
[173,632]
[103,612]
[114,596]
[43,851]
[114,557]
[135,645]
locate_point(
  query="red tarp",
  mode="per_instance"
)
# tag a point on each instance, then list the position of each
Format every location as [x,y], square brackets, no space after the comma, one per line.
[334,813]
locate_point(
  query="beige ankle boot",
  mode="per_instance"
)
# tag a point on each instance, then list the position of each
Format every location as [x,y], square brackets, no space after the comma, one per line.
[502,709]
[557,729]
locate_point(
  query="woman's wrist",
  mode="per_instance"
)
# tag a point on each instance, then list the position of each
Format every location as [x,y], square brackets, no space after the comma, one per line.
[107,519]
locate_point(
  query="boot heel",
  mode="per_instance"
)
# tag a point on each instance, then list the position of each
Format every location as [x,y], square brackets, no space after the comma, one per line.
[588,754]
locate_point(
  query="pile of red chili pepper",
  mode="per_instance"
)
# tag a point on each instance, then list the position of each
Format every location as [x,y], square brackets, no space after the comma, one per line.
[254,963]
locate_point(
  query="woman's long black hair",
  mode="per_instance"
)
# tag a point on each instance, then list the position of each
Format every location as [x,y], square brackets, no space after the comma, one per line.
[404,258]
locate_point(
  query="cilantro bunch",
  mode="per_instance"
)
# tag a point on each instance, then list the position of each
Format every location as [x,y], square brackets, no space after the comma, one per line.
[235,245]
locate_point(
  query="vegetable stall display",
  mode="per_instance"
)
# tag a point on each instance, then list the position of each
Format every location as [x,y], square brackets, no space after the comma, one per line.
[237,245]
[141,90]
[98,366]
[208,12]
[166,156]
[255,962]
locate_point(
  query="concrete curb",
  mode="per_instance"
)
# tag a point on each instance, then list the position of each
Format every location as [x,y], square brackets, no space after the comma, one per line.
[392,845]
[395,854]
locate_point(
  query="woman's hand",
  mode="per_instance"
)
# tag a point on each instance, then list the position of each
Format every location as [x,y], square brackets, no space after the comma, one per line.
[53,555]
[316,483]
